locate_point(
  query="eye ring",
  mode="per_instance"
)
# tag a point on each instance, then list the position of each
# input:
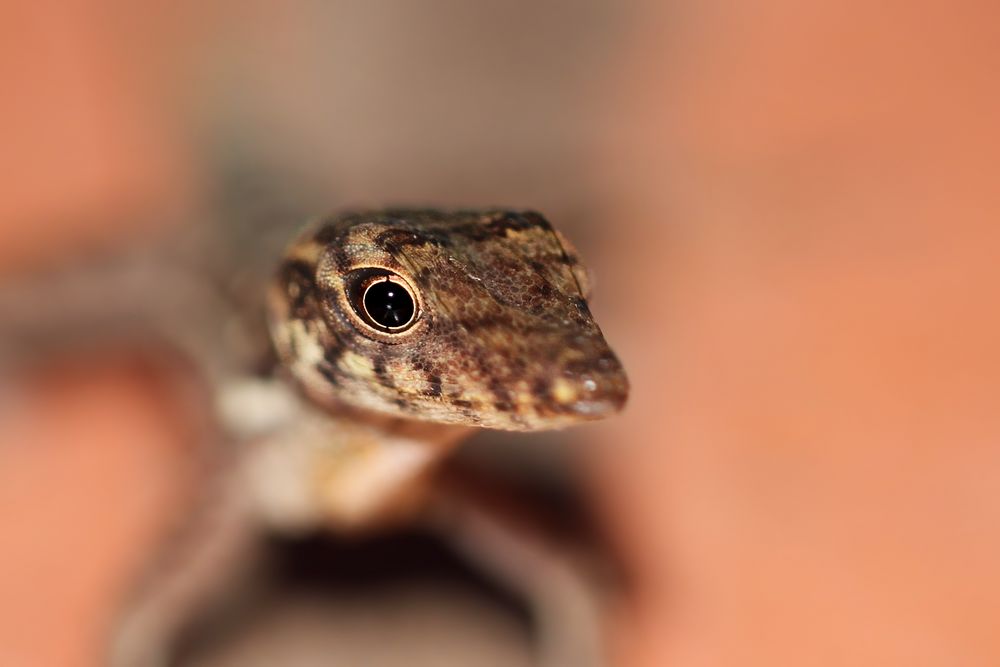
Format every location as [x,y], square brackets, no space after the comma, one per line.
[383,300]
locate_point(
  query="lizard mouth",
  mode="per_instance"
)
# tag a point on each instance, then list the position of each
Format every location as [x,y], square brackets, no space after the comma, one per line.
[590,395]
[597,409]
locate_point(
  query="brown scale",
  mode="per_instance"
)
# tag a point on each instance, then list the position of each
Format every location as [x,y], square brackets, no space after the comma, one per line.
[501,337]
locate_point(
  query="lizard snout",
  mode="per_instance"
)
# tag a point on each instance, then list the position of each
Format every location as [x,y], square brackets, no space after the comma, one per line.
[591,388]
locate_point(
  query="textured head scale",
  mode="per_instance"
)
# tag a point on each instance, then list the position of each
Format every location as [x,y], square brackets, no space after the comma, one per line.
[501,334]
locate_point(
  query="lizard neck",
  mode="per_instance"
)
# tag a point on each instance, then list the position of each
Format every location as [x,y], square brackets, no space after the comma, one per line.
[340,467]
[382,471]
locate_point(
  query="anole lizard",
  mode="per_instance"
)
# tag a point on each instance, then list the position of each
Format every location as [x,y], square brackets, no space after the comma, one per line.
[394,333]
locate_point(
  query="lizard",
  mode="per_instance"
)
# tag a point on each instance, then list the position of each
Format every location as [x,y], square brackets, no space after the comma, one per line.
[393,335]
[468,319]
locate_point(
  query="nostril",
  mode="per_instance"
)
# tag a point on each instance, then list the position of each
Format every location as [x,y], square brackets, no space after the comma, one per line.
[607,362]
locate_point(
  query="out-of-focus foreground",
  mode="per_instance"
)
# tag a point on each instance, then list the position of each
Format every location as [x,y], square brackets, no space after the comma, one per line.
[791,211]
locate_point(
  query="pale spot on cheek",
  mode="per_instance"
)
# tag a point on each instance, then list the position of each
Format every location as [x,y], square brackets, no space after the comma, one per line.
[524,400]
[357,365]
[563,391]
[307,349]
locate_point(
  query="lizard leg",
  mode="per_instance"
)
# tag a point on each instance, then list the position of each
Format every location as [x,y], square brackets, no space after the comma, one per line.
[565,592]
[203,561]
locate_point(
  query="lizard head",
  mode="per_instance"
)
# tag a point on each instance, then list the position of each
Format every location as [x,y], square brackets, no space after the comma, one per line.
[467,317]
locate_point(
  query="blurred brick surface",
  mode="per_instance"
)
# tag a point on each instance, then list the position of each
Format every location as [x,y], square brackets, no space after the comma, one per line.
[90,453]
[808,212]
[86,132]
[91,461]
[801,276]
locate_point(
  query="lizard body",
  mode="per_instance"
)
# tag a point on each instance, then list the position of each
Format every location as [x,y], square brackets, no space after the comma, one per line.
[394,333]
[500,336]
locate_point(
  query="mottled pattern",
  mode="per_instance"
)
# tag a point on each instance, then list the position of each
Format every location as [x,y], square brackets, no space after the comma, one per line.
[503,337]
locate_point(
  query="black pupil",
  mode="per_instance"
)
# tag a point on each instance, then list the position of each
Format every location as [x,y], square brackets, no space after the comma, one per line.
[389,304]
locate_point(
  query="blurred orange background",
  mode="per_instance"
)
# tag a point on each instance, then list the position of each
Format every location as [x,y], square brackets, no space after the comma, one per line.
[791,209]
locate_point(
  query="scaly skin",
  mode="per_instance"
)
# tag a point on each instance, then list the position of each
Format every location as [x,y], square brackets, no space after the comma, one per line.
[503,337]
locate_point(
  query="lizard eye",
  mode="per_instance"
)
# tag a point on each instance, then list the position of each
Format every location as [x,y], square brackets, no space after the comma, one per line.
[383,300]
